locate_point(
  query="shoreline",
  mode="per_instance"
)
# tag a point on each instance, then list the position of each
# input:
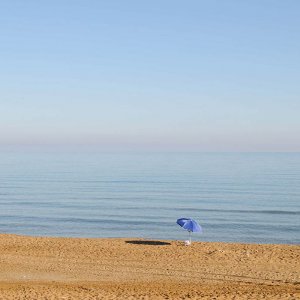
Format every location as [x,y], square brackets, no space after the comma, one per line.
[122,268]
[179,240]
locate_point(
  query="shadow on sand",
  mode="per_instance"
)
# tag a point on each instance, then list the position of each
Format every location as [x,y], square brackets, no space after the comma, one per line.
[153,243]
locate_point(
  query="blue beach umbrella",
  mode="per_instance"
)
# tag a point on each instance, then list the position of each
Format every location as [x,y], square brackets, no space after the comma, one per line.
[190,225]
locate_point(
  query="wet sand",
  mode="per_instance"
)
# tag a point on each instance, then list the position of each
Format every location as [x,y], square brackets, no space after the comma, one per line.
[80,268]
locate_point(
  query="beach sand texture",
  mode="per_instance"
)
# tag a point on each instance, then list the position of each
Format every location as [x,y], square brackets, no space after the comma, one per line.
[81,268]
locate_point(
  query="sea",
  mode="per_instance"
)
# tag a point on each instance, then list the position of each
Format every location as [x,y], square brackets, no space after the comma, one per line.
[235,197]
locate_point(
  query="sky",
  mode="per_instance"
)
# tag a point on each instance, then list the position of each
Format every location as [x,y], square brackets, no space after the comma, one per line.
[151,75]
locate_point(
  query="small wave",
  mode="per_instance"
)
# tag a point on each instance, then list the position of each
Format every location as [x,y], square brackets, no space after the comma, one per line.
[237,211]
[244,211]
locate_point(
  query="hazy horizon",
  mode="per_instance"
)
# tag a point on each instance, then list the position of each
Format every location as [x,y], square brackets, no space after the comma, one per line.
[204,76]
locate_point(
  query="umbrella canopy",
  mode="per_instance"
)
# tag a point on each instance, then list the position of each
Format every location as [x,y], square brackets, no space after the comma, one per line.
[190,225]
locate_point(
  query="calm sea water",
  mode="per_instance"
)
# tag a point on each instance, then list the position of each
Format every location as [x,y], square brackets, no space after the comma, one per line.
[246,197]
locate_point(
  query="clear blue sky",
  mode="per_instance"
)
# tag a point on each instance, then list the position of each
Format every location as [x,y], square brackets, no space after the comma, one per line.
[155,75]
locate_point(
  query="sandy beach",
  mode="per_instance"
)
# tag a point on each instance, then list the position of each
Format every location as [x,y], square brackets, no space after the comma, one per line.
[80,268]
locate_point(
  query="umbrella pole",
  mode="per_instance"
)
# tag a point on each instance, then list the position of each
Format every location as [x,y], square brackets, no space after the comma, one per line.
[190,236]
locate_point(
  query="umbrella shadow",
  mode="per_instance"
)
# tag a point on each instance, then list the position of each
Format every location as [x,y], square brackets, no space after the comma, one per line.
[151,243]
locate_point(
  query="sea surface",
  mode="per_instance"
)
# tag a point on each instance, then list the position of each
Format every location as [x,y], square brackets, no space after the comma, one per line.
[236,197]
